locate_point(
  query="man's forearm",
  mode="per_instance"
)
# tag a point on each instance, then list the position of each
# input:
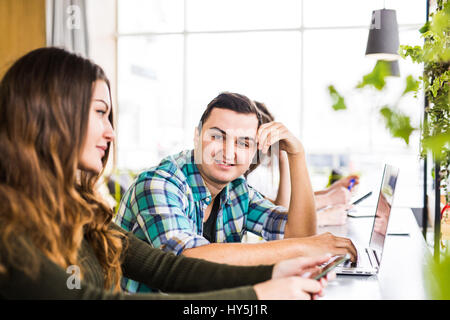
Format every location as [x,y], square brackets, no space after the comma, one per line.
[246,254]
[271,252]
[302,220]
[284,186]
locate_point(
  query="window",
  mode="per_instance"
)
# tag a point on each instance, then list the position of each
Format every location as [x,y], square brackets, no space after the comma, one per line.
[175,56]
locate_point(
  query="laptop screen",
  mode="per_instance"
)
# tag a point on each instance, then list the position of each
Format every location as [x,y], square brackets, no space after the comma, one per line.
[383,211]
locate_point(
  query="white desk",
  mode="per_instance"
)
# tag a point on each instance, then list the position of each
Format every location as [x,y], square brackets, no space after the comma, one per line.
[401,274]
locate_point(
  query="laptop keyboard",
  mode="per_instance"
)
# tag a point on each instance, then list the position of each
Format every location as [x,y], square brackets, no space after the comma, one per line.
[362,259]
[363,266]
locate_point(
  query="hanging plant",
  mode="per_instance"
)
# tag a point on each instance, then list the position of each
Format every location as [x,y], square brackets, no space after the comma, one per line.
[435,55]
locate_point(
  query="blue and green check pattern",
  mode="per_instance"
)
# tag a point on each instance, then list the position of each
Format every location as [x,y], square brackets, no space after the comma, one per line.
[165,205]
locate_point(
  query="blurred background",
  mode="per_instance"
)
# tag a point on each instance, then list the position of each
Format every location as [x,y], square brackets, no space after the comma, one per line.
[167,59]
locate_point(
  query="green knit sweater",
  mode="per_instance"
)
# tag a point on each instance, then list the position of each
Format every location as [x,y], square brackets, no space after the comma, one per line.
[186,278]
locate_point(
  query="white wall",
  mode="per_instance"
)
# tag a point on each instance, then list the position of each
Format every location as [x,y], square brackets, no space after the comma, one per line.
[102,26]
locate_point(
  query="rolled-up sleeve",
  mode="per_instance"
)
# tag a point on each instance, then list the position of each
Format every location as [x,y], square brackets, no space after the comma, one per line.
[264,218]
[160,207]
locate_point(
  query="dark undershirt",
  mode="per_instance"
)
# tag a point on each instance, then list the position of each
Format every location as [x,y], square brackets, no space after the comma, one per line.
[209,226]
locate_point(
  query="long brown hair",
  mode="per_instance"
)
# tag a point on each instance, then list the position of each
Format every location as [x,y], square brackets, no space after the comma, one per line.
[45,201]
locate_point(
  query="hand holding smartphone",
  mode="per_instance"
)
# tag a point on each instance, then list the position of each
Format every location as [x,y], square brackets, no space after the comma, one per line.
[331,265]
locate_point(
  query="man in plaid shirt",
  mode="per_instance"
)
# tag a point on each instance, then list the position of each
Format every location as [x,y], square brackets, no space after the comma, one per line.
[198,204]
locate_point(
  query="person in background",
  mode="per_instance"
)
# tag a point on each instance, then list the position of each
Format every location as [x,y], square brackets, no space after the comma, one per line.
[198,204]
[57,240]
[331,203]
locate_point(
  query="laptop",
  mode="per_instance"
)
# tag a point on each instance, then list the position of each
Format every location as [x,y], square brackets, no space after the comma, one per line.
[369,259]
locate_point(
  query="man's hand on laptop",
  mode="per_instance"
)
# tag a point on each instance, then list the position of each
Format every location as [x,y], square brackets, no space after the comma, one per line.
[329,243]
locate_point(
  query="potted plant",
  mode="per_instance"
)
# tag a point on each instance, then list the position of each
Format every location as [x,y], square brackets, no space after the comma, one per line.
[435,55]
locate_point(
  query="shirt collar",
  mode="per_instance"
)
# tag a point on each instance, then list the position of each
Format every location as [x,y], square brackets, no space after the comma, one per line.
[197,184]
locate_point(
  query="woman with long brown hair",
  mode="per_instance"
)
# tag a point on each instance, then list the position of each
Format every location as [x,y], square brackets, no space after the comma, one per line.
[56,236]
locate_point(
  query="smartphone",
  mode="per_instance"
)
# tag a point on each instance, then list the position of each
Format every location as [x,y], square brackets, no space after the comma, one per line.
[331,266]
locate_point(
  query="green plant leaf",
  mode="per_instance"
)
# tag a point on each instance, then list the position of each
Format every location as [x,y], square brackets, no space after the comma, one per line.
[438,278]
[440,22]
[436,144]
[398,124]
[411,85]
[416,53]
[436,47]
[425,27]
[376,77]
[338,100]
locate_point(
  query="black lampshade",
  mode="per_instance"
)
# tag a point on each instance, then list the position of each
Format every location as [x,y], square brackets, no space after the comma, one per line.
[383,42]
[395,70]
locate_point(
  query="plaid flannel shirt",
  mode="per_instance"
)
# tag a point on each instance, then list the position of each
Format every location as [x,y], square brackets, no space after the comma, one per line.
[165,206]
